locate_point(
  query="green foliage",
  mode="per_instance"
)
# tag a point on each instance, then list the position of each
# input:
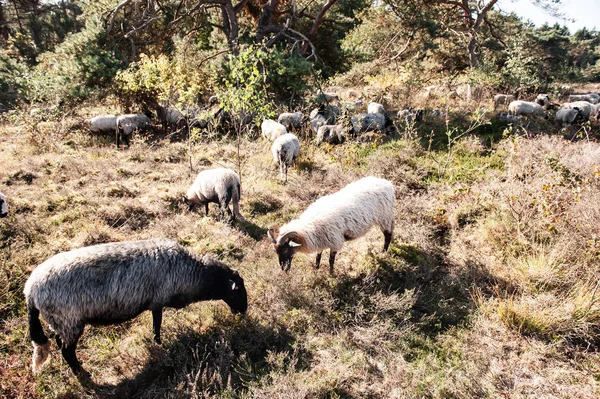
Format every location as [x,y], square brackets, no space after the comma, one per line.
[521,72]
[11,83]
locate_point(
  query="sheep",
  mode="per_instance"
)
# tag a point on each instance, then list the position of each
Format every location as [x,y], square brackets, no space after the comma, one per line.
[103,124]
[285,150]
[569,116]
[525,108]
[115,282]
[336,218]
[169,116]
[503,116]
[543,100]
[502,99]
[375,108]
[271,129]
[316,122]
[362,123]
[410,115]
[127,124]
[332,134]
[3,206]
[591,98]
[291,120]
[587,109]
[326,97]
[219,186]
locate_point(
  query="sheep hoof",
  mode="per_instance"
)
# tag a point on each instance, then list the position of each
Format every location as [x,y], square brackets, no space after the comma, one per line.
[40,356]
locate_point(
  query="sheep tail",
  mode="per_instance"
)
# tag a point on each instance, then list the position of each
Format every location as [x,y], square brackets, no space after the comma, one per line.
[41,344]
[236,202]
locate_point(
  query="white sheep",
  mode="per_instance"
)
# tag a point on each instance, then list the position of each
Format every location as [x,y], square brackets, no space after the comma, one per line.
[285,150]
[587,109]
[332,134]
[220,186]
[526,108]
[291,120]
[114,282]
[375,108]
[129,123]
[336,218]
[271,129]
[103,124]
[3,206]
[568,116]
[362,123]
[502,99]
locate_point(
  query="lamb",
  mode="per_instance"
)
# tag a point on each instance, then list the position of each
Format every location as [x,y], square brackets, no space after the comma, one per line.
[332,134]
[271,129]
[103,124]
[362,123]
[115,282]
[3,206]
[291,120]
[127,124]
[502,99]
[219,186]
[569,116]
[334,219]
[285,150]
[375,108]
[526,108]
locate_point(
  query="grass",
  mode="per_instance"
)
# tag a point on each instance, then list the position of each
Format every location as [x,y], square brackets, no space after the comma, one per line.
[489,288]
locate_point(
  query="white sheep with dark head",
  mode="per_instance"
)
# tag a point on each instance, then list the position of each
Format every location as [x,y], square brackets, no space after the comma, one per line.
[111,283]
[270,129]
[129,123]
[220,186]
[336,218]
[285,150]
[291,120]
[526,108]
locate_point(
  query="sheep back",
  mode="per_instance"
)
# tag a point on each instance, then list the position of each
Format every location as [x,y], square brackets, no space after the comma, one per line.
[271,129]
[103,123]
[362,123]
[213,185]
[285,149]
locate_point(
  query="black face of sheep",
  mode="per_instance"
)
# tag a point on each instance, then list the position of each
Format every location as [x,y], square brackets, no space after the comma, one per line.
[3,207]
[286,248]
[236,296]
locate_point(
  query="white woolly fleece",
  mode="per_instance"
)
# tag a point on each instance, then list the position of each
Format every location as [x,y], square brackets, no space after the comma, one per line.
[345,215]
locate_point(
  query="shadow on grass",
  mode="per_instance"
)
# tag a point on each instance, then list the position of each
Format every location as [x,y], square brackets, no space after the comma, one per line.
[255,231]
[230,355]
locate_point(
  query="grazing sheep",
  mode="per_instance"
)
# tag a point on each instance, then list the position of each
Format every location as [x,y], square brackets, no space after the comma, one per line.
[3,206]
[129,123]
[271,129]
[327,97]
[543,100]
[115,282]
[502,99]
[503,116]
[170,116]
[285,150]
[197,117]
[526,108]
[410,115]
[587,109]
[375,108]
[332,134]
[334,219]
[362,123]
[103,124]
[590,98]
[569,116]
[316,122]
[219,186]
[291,120]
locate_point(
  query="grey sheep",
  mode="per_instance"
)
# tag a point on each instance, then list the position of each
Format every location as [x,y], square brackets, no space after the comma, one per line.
[502,99]
[285,150]
[170,117]
[291,120]
[114,282]
[375,108]
[3,206]
[220,186]
[569,116]
[129,123]
[103,124]
[332,134]
[591,98]
[362,123]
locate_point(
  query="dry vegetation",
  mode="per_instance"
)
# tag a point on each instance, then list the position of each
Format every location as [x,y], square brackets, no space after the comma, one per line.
[490,287]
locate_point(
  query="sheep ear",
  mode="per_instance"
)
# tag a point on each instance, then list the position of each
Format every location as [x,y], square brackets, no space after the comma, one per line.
[294,244]
[232,285]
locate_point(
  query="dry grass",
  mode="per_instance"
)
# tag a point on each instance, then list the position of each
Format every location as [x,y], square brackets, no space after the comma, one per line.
[488,290]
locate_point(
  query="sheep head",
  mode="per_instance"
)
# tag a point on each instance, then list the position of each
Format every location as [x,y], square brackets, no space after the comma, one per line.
[286,247]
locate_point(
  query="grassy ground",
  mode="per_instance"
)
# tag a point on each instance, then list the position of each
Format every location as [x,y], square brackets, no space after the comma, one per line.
[488,290]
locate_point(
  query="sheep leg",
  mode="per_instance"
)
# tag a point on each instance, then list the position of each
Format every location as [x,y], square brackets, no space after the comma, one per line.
[68,353]
[318,261]
[206,208]
[387,240]
[156,322]
[331,260]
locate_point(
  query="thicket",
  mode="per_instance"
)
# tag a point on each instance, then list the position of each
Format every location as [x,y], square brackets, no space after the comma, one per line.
[182,52]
